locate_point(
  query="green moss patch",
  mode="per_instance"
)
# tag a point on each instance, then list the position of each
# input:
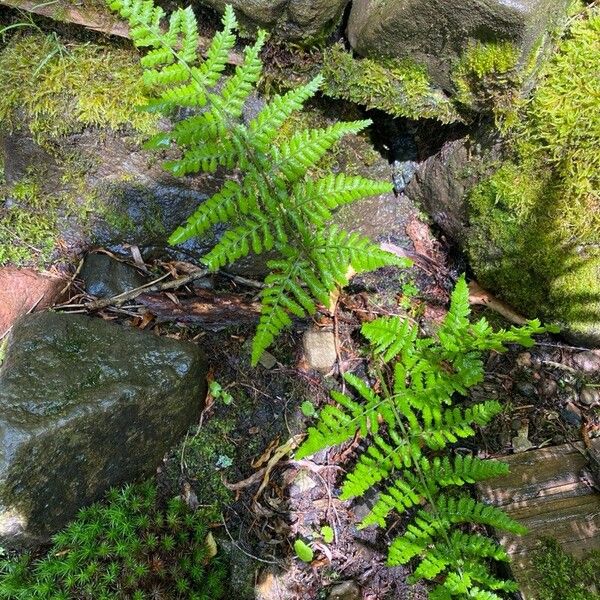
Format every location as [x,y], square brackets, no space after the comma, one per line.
[398,87]
[62,87]
[535,223]
[129,547]
[560,576]
[487,76]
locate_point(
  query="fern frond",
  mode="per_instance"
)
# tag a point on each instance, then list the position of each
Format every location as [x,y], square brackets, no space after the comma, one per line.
[304,149]
[222,44]
[435,474]
[264,128]
[390,335]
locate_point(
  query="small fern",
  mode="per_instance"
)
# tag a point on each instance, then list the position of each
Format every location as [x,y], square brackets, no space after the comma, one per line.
[273,205]
[407,426]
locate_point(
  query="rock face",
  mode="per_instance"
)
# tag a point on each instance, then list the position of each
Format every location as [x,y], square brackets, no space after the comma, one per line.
[436,33]
[85,405]
[288,19]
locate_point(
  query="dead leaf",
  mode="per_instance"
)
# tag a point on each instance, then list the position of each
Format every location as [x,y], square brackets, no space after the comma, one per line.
[264,457]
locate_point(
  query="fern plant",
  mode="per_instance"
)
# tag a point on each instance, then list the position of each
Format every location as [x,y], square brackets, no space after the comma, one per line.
[410,421]
[272,204]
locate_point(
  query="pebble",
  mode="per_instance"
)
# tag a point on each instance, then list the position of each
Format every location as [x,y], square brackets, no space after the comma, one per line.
[588,361]
[527,389]
[548,387]
[348,590]
[319,349]
[589,395]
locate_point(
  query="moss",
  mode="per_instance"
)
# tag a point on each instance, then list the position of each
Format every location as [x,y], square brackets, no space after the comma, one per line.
[486,76]
[62,87]
[535,223]
[28,228]
[560,576]
[399,87]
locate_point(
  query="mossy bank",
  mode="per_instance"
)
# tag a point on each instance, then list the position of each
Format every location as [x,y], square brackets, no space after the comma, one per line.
[535,223]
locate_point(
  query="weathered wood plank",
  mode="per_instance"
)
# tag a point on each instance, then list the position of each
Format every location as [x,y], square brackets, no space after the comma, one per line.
[545,492]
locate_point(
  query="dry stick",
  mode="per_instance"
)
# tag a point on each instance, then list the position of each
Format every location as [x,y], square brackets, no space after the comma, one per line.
[153,286]
[95,20]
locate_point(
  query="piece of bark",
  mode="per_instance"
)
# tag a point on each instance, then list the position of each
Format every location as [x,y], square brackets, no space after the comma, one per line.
[23,291]
[94,19]
[206,308]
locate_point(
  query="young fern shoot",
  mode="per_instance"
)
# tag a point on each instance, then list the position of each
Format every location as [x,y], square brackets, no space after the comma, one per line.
[407,428]
[271,204]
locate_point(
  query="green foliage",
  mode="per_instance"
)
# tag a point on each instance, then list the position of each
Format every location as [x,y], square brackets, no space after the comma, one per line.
[535,223]
[126,548]
[303,551]
[407,426]
[560,576]
[273,205]
[62,87]
[399,87]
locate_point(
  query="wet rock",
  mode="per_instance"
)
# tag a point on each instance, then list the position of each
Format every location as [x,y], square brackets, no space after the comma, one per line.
[287,19]
[24,290]
[442,182]
[590,395]
[348,590]
[319,349]
[85,405]
[437,33]
[571,414]
[526,388]
[104,277]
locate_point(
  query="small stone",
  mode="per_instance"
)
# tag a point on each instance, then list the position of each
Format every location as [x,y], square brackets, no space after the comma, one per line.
[589,395]
[267,360]
[548,387]
[571,414]
[105,277]
[348,590]
[588,361]
[319,349]
[524,359]
[527,389]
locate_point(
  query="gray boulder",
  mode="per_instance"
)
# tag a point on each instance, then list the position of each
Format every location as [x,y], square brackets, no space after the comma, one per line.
[436,33]
[85,405]
[302,20]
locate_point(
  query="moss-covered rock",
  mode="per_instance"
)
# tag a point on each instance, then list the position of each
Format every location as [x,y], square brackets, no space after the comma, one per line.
[464,46]
[399,87]
[85,405]
[531,226]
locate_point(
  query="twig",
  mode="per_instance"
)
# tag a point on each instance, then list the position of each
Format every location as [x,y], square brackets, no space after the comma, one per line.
[153,286]
[259,285]
[70,282]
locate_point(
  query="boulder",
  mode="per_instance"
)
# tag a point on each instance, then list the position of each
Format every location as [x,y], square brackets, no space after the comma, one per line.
[300,20]
[437,33]
[85,405]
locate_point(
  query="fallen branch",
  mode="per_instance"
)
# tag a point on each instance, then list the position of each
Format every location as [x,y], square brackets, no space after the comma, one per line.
[93,19]
[153,286]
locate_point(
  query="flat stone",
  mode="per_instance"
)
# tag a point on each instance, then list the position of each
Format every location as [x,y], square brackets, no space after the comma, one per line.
[24,290]
[590,395]
[319,349]
[347,590]
[436,33]
[105,277]
[85,405]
